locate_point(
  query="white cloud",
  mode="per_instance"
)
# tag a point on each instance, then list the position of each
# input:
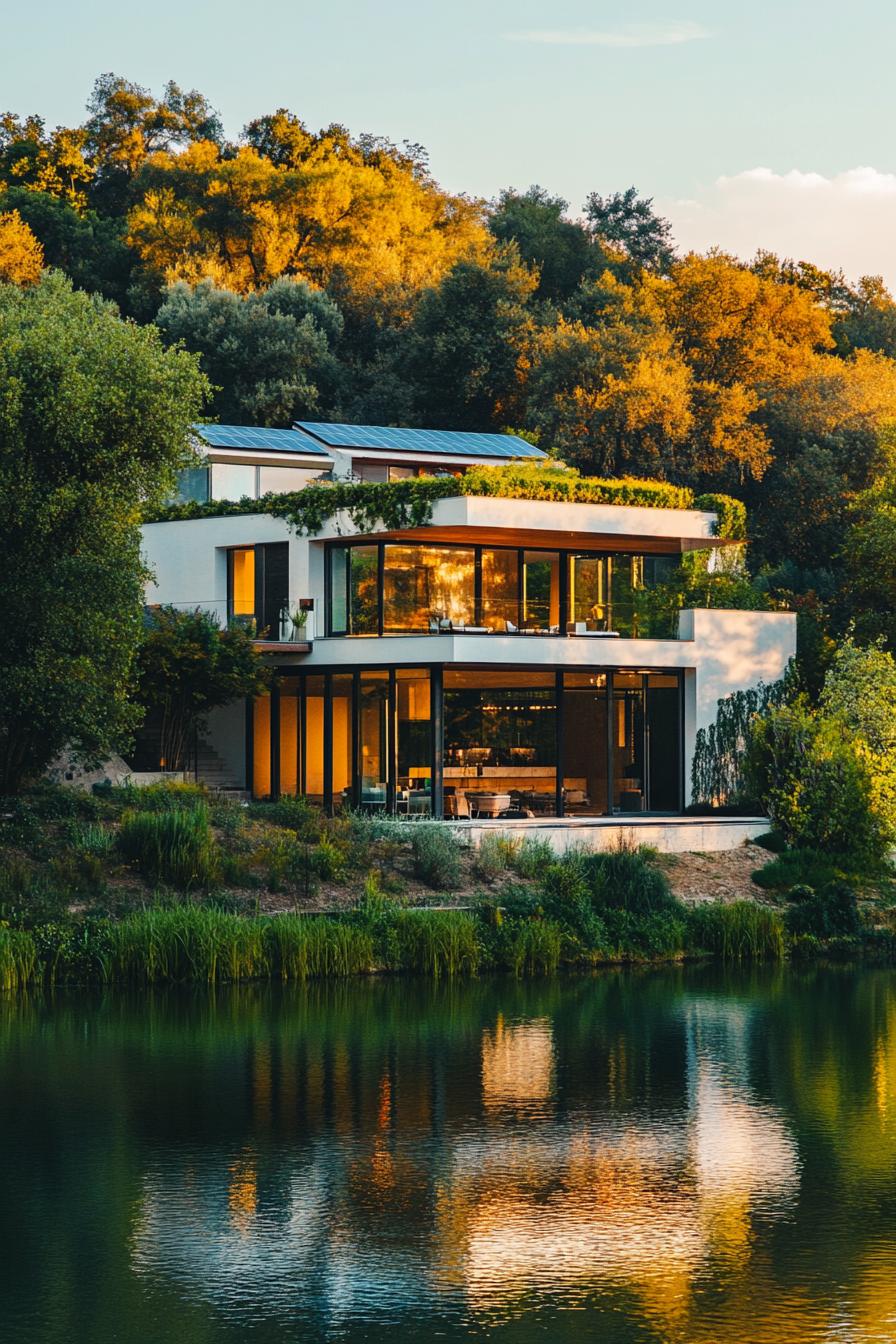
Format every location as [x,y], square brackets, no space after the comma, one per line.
[626,35]
[845,222]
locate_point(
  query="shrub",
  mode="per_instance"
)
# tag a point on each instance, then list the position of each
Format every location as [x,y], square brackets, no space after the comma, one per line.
[167,796]
[186,942]
[567,900]
[171,846]
[490,858]
[773,841]
[532,856]
[818,783]
[645,933]
[625,879]
[741,931]
[796,867]
[328,860]
[293,813]
[436,856]
[437,942]
[832,912]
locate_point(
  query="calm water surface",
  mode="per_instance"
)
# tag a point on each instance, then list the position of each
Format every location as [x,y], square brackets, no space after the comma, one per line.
[679,1155]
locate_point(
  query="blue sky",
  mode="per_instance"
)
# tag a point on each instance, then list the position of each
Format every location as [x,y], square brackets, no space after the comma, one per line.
[686,100]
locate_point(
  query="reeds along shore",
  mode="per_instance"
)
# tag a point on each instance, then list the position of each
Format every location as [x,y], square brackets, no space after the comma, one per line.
[196,943]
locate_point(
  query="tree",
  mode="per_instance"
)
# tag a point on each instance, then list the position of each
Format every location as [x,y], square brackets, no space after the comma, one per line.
[125,124]
[467,345]
[94,422]
[268,354]
[559,249]
[55,163]
[187,666]
[868,551]
[21,255]
[90,250]
[627,222]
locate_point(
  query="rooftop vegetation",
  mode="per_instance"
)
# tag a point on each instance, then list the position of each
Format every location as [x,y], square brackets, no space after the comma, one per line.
[409,503]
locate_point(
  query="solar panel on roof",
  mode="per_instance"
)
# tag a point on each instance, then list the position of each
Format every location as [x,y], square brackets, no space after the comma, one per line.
[251,436]
[457,443]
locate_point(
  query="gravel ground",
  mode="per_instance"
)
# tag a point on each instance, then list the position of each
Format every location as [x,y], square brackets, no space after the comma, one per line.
[727,876]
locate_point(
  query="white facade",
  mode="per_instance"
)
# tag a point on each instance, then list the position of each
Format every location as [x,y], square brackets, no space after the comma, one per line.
[717,652]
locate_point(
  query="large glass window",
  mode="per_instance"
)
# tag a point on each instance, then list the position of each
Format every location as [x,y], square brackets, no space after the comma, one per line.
[541,592]
[428,588]
[413,717]
[500,589]
[341,701]
[354,590]
[373,740]
[588,593]
[314,739]
[289,735]
[281,480]
[500,743]
[664,742]
[585,759]
[629,783]
[242,581]
[261,746]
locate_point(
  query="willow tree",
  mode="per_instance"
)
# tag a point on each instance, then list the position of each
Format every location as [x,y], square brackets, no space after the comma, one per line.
[94,422]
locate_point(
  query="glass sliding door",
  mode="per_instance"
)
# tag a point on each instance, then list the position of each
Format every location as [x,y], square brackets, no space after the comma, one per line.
[289,705]
[314,740]
[261,746]
[628,754]
[588,593]
[500,590]
[373,741]
[413,728]
[664,742]
[585,744]
[341,703]
[541,592]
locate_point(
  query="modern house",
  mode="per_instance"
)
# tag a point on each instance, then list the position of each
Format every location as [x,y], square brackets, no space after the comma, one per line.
[500,659]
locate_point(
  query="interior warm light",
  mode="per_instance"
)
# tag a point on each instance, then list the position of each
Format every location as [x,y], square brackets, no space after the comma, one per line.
[242,581]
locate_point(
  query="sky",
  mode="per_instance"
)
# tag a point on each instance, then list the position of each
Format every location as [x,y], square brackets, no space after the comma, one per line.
[766,123]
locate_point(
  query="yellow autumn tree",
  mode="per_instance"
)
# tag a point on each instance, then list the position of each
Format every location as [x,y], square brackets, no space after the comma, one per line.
[21,255]
[330,217]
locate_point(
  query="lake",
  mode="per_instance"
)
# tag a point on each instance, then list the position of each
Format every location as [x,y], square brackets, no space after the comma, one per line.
[684,1154]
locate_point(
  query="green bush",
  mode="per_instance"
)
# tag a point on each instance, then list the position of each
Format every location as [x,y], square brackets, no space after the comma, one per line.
[435,855]
[741,931]
[773,841]
[566,900]
[528,946]
[645,933]
[166,796]
[532,856]
[832,912]
[490,859]
[800,867]
[294,814]
[175,847]
[183,943]
[625,879]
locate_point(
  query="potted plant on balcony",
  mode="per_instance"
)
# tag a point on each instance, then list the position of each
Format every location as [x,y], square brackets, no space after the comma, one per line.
[299,620]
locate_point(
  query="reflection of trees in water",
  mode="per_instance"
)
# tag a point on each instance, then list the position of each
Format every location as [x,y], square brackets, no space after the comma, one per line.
[690,1149]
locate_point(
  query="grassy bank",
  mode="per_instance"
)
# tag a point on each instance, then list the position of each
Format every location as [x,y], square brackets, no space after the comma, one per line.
[166,886]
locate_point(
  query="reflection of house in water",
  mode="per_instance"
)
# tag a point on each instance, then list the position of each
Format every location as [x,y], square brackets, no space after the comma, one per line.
[523,1191]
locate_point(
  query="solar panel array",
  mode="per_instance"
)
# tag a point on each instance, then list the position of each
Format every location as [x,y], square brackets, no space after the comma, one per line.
[456,443]
[249,436]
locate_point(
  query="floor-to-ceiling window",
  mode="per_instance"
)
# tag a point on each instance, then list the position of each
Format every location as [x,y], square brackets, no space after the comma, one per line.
[499,742]
[426,586]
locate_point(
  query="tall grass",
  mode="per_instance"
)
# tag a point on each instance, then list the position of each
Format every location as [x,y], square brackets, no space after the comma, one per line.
[436,856]
[437,942]
[299,948]
[18,958]
[175,846]
[741,931]
[187,942]
[531,947]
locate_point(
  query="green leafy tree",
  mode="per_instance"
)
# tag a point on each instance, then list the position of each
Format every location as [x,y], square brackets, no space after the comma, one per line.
[628,222]
[268,354]
[90,250]
[94,422]
[561,250]
[468,342]
[186,667]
